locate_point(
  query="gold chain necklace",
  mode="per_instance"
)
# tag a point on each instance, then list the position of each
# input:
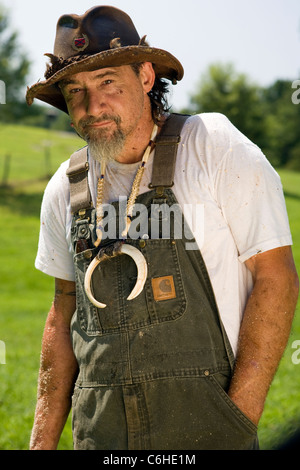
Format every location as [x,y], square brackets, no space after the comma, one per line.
[133,195]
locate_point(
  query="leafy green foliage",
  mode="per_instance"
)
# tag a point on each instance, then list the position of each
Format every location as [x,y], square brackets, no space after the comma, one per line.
[14,67]
[267,116]
[282,119]
[223,90]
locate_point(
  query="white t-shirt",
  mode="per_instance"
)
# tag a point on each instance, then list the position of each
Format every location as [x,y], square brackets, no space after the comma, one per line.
[217,169]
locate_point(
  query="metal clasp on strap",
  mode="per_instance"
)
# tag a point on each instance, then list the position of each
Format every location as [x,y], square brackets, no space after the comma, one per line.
[78,169]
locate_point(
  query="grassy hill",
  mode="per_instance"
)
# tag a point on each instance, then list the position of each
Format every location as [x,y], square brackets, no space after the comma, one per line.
[34,153]
[25,294]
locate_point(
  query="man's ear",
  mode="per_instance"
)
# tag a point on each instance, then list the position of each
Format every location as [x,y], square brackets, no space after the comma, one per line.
[147,75]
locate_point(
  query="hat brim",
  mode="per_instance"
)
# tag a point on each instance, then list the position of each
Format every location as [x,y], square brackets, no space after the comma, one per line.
[165,65]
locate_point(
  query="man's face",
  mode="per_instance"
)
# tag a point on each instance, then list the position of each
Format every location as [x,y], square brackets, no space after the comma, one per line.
[107,106]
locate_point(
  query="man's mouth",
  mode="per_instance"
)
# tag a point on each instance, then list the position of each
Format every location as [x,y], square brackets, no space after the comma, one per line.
[104,121]
[101,124]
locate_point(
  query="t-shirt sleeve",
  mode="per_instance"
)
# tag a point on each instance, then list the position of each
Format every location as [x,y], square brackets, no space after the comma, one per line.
[54,256]
[251,198]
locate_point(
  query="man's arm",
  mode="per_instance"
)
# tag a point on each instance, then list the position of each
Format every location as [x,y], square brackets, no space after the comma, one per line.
[58,371]
[265,328]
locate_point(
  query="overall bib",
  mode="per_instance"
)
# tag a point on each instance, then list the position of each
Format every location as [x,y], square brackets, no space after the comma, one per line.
[153,371]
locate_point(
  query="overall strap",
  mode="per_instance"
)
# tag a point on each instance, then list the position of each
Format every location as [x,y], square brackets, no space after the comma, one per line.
[163,165]
[78,176]
[166,151]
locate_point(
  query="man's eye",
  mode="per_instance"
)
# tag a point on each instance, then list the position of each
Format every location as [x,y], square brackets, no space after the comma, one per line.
[107,82]
[75,90]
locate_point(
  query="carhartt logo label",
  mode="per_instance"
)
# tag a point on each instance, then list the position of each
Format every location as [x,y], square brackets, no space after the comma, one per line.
[163,288]
[2,92]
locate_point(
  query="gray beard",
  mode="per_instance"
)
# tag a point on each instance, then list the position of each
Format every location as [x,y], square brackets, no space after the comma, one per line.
[104,146]
[103,149]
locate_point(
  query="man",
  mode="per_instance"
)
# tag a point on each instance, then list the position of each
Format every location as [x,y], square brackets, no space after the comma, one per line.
[175,345]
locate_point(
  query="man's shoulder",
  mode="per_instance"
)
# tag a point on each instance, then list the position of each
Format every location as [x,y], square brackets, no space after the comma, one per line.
[61,174]
[58,186]
[215,129]
[209,121]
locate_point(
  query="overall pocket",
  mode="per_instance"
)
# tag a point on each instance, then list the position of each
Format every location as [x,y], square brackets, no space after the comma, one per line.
[162,299]
[189,413]
[240,431]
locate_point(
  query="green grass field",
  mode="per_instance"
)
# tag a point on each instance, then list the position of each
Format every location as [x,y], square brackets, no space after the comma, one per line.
[26,294]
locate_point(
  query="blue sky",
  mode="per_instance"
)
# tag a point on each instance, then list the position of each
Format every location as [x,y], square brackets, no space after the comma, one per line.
[260,37]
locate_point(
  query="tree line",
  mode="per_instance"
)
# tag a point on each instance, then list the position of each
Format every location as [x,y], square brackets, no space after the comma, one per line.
[269,116]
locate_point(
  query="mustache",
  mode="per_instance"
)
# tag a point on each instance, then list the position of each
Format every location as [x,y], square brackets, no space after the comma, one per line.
[85,122]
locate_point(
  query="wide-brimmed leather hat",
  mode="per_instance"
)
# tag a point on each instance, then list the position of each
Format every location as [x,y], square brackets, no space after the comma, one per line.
[103,37]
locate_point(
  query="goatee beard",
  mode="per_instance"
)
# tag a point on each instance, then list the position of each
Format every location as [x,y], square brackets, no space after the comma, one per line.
[104,145]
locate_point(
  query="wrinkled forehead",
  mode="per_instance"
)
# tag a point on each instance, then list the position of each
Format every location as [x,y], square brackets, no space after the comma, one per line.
[92,76]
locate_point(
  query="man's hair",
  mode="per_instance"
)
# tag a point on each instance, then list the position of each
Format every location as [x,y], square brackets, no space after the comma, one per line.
[158,96]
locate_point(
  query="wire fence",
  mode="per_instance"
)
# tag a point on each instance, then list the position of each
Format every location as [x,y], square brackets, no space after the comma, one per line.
[11,173]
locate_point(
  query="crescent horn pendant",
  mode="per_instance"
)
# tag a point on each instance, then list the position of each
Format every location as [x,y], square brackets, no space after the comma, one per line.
[142,272]
[142,269]
[87,282]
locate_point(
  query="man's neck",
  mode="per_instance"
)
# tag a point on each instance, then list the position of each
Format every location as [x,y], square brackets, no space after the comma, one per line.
[137,144]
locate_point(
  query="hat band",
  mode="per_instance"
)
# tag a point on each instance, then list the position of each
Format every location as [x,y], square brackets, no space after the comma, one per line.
[58,63]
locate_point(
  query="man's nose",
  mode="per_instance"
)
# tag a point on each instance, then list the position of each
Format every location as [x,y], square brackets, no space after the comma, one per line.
[95,103]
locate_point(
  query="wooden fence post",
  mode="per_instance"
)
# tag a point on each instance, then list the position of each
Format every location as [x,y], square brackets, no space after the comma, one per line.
[6,170]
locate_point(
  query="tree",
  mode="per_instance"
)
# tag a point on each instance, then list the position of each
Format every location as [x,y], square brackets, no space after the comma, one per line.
[283,124]
[14,67]
[221,89]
